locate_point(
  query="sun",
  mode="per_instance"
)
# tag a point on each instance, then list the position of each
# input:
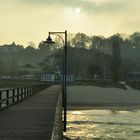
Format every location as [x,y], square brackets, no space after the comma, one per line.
[77,10]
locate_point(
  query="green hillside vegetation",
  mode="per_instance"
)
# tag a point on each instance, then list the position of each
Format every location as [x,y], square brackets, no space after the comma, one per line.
[88,56]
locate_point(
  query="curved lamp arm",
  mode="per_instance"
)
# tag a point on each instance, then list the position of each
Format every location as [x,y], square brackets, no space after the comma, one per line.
[58,36]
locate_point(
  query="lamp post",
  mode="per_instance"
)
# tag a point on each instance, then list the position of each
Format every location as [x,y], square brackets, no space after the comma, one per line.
[64,82]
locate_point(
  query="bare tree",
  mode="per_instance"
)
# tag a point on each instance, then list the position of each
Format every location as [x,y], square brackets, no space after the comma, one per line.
[116,59]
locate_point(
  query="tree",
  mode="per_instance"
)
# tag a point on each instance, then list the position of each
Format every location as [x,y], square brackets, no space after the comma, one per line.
[44,47]
[98,42]
[135,40]
[2,67]
[30,49]
[92,70]
[80,40]
[48,65]
[116,59]
[32,44]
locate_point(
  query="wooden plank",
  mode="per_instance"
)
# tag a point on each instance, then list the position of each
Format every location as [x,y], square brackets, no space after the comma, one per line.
[31,119]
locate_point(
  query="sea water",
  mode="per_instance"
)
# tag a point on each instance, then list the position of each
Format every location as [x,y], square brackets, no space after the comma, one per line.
[103,125]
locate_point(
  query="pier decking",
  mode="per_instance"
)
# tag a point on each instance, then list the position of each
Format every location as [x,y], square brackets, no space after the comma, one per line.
[31,119]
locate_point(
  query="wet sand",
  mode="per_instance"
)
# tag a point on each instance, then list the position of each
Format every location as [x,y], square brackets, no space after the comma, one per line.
[117,108]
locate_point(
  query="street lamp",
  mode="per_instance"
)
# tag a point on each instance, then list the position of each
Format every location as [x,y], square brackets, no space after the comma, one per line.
[64,82]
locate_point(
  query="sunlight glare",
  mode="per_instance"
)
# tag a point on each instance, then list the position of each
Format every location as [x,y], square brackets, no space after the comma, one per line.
[77,112]
[77,10]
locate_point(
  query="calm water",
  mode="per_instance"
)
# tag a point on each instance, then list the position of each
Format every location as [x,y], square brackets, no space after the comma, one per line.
[103,125]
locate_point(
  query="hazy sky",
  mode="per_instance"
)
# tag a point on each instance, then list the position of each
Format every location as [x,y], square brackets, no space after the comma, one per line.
[30,20]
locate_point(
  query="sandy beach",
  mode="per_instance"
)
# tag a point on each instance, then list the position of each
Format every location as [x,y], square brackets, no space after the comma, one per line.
[90,97]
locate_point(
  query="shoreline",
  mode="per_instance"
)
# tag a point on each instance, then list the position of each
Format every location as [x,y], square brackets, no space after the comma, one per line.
[103,107]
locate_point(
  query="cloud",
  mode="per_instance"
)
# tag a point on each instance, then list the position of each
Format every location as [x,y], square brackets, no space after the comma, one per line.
[32,19]
[92,7]
[97,6]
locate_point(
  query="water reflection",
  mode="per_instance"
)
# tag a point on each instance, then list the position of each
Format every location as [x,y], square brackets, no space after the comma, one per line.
[103,125]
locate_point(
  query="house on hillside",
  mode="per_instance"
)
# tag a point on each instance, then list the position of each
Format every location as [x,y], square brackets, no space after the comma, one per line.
[11,48]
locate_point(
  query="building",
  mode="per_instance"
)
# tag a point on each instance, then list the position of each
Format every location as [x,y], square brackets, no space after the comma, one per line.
[48,77]
[133,76]
[11,48]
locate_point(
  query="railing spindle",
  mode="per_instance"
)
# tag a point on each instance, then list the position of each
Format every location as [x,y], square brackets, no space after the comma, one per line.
[21,94]
[24,92]
[7,97]
[17,94]
[13,95]
[0,99]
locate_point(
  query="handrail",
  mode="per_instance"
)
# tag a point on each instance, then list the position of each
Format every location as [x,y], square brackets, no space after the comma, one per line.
[11,96]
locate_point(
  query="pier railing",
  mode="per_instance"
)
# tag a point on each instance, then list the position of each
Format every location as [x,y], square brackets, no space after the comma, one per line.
[11,96]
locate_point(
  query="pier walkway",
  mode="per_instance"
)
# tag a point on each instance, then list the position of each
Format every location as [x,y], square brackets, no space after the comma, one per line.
[32,118]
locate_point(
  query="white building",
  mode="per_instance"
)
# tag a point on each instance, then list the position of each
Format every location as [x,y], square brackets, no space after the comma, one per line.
[48,77]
